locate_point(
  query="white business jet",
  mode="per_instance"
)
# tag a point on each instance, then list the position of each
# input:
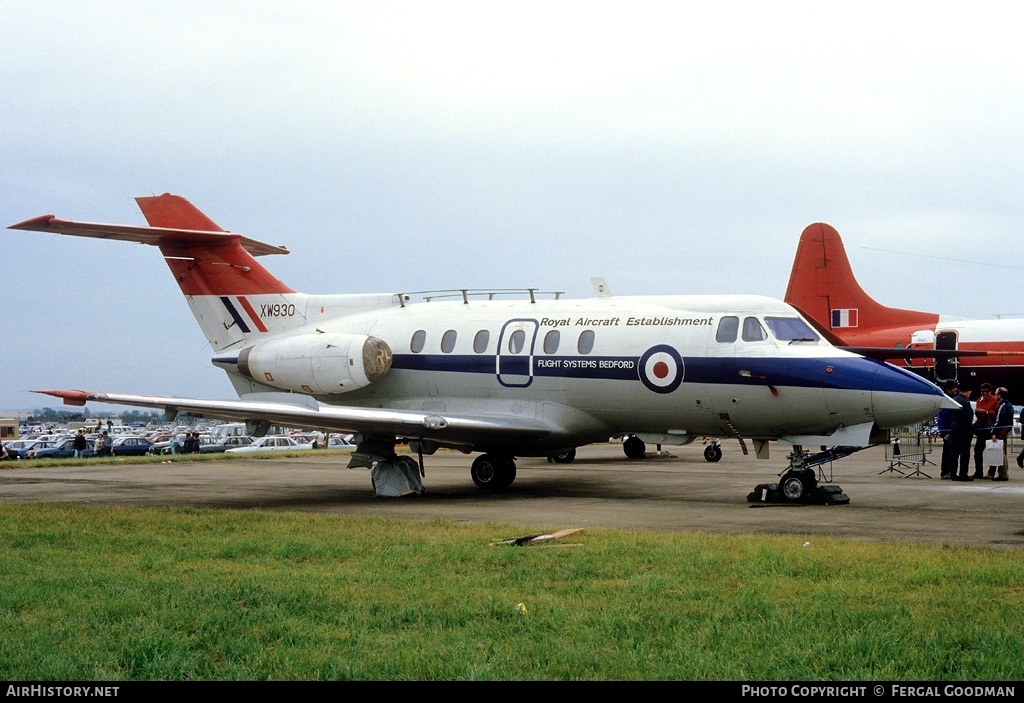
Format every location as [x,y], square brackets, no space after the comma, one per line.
[479,372]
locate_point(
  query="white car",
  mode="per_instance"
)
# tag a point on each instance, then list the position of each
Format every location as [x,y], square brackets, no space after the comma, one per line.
[341,443]
[271,443]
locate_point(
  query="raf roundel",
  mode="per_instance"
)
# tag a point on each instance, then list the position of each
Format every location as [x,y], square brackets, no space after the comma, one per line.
[661,369]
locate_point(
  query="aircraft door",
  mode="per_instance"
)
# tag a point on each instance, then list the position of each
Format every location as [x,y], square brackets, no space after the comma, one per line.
[514,360]
[946,369]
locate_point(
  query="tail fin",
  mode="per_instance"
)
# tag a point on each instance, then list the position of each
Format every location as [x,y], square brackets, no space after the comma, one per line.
[822,287]
[231,295]
[215,265]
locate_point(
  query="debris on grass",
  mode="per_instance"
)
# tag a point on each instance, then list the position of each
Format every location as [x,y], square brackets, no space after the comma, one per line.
[529,540]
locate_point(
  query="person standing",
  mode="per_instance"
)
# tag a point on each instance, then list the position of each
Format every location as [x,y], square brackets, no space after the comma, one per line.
[955,428]
[985,415]
[80,444]
[1001,426]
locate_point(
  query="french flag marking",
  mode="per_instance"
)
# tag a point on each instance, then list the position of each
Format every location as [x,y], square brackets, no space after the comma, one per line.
[845,317]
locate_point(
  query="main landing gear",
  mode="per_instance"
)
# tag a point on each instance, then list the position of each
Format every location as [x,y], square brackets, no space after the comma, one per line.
[713,452]
[799,483]
[564,456]
[634,448]
[493,472]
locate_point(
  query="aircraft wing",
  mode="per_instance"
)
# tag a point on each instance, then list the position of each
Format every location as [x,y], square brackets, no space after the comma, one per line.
[303,411]
[883,353]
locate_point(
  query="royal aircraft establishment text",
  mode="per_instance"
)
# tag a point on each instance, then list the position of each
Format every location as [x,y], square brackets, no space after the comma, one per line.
[630,321]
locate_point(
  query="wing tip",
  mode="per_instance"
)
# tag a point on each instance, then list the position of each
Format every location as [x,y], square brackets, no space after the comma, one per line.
[70,397]
[33,223]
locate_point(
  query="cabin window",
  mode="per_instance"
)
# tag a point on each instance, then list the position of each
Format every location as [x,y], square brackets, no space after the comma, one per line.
[791,329]
[448,341]
[753,331]
[419,338]
[551,340]
[516,341]
[480,341]
[727,329]
[585,345]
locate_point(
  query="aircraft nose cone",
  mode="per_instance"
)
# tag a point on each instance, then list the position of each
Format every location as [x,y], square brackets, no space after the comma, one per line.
[899,397]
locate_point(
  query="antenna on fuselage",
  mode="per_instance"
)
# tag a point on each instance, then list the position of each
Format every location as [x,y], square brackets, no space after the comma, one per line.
[600,287]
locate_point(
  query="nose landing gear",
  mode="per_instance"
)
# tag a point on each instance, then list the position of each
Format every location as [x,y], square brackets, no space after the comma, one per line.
[799,483]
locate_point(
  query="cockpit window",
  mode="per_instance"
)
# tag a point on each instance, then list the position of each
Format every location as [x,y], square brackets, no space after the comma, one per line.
[753,331]
[727,329]
[791,329]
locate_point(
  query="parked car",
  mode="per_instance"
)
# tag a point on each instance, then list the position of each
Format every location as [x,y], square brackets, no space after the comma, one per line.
[222,444]
[131,446]
[61,449]
[162,445]
[272,443]
[339,442]
[18,448]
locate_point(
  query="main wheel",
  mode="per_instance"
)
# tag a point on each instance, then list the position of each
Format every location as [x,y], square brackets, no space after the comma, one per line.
[493,472]
[508,472]
[634,447]
[713,453]
[566,456]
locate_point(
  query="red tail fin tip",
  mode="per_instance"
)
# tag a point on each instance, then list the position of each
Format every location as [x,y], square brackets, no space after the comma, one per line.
[175,212]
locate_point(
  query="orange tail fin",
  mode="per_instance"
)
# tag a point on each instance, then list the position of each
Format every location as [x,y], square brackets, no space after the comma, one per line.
[213,265]
[822,287]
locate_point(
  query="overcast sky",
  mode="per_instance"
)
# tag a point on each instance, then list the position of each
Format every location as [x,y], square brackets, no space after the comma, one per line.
[670,147]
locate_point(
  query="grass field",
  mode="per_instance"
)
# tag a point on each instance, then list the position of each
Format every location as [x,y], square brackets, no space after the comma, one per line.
[91,593]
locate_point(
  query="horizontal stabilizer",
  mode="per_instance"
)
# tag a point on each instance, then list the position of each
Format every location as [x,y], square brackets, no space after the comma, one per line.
[155,236]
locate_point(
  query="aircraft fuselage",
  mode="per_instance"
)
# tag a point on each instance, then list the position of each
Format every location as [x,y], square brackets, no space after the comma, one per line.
[600,367]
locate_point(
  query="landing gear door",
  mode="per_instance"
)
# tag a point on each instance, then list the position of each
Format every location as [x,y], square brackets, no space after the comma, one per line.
[514,361]
[946,369]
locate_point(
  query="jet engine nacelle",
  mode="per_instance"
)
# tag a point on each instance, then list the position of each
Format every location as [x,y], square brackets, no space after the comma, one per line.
[317,363]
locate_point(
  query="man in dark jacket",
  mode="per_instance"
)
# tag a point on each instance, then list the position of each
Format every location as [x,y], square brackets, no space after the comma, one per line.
[955,429]
[80,444]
